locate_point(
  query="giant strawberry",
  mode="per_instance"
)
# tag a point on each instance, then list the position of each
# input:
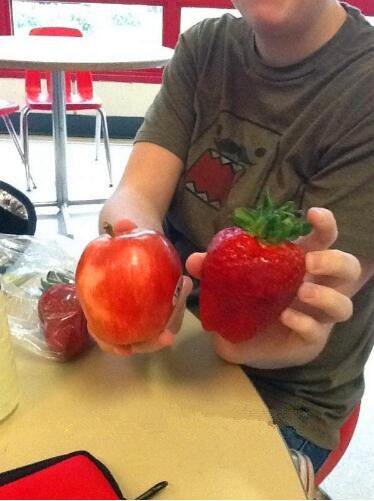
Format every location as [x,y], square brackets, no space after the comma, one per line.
[252,271]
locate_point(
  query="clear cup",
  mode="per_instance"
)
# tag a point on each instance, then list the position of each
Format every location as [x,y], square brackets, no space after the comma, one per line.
[9,388]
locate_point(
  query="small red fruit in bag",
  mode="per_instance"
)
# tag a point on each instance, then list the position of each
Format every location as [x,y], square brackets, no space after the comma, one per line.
[62,318]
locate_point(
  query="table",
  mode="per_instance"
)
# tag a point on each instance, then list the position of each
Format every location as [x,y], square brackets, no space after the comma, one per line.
[180,415]
[60,54]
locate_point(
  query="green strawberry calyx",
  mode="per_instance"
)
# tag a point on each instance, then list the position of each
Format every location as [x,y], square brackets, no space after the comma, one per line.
[56,277]
[273,224]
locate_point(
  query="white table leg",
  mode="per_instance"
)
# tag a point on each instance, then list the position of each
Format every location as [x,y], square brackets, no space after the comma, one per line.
[59,137]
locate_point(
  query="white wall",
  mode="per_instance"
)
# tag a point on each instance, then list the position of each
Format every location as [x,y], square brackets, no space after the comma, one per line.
[119,99]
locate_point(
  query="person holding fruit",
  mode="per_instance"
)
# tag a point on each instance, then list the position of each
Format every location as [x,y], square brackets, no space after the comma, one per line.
[279,102]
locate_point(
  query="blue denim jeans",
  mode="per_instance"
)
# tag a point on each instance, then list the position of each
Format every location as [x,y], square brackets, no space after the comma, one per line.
[316,454]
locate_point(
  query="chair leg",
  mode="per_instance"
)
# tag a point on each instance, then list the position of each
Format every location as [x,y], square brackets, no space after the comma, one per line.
[25,138]
[13,135]
[106,144]
[97,134]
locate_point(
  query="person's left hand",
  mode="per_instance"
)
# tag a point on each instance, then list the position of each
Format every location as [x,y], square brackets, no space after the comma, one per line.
[324,297]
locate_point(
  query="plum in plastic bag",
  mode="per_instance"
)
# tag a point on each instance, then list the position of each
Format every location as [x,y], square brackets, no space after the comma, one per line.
[37,279]
[63,321]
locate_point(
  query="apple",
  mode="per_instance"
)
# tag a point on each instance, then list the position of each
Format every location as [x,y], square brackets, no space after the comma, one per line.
[127,283]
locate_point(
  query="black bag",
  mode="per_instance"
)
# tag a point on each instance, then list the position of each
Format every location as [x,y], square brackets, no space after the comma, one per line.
[17,212]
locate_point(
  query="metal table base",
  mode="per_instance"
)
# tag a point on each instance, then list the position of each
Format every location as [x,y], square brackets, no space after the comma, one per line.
[60,142]
[63,214]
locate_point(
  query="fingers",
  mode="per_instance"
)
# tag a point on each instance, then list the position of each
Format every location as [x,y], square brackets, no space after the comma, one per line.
[123,226]
[163,340]
[334,268]
[176,318]
[321,306]
[194,264]
[332,306]
[333,263]
[324,231]
[305,326]
[109,348]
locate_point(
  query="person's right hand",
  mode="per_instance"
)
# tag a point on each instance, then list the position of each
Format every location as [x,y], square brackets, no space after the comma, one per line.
[166,338]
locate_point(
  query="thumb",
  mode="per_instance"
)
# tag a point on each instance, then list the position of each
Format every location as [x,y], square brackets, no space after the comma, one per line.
[176,318]
[123,226]
[194,264]
[324,231]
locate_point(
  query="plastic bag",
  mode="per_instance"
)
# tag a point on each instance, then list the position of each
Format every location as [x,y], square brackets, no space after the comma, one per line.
[37,277]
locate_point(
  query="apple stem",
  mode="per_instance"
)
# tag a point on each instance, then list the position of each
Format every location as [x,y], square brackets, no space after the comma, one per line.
[108,228]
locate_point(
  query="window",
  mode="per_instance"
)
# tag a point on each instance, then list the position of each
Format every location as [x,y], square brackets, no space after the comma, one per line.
[134,23]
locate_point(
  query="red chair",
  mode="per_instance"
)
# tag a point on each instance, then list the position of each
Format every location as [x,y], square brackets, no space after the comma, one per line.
[6,109]
[346,433]
[79,95]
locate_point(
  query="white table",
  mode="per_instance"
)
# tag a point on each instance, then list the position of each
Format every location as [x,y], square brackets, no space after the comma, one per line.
[60,54]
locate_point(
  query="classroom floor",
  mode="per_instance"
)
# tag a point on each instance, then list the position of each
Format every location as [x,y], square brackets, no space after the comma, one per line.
[354,476]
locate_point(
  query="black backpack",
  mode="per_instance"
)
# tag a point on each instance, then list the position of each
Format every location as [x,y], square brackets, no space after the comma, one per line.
[17,212]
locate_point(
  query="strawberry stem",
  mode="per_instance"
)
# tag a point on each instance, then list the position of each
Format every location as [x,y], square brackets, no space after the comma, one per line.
[108,228]
[272,223]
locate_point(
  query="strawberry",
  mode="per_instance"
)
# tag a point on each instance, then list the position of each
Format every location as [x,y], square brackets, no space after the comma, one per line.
[252,271]
[62,318]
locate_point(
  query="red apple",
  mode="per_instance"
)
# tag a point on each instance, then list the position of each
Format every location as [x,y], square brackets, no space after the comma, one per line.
[127,282]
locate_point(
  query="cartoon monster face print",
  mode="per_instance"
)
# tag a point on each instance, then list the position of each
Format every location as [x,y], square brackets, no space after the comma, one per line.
[219,167]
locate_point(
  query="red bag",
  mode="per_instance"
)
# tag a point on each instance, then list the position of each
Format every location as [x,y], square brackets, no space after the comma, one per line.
[73,476]
[77,475]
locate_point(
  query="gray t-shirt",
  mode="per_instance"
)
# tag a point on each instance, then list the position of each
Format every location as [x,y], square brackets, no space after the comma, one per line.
[306,133]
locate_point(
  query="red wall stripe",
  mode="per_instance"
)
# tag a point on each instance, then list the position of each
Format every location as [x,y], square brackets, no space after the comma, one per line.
[171,20]
[6,25]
